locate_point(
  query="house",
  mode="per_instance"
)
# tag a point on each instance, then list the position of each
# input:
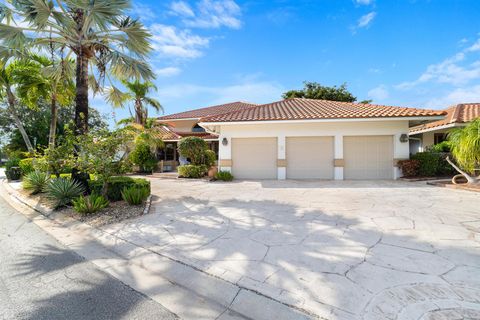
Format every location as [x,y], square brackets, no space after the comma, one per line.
[185,124]
[431,133]
[315,139]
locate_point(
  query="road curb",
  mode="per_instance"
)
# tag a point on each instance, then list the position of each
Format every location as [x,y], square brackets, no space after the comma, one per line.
[183,289]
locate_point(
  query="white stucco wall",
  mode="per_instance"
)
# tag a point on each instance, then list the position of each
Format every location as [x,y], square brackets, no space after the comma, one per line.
[183,125]
[336,129]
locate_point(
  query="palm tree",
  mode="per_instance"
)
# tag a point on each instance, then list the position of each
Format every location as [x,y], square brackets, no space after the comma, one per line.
[42,78]
[149,134]
[6,93]
[105,42]
[137,92]
[465,146]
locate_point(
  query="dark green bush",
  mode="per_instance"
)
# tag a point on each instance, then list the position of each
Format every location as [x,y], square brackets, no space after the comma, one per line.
[26,165]
[224,176]
[62,191]
[210,158]
[89,204]
[142,156]
[116,186]
[192,171]
[193,148]
[12,169]
[443,146]
[134,195]
[35,181]
[428,163]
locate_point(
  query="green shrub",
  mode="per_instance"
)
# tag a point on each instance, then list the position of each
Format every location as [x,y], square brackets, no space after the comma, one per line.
[210,158]
[89,204]
[62,191]
[143,157]
[428,163]
[134,195]
[192,171]
[193,148]
[116,186]
[443,146]
[35,181]
[26,165]
[224,176]
[444,168]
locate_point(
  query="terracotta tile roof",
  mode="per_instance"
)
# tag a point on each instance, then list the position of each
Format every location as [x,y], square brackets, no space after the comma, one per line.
[460,113]
[309,109]
[209,111]
[169,134]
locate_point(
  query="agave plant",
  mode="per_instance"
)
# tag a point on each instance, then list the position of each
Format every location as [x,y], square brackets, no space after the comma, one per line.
[90,204]
[104,41]
[62,191]
[35,181]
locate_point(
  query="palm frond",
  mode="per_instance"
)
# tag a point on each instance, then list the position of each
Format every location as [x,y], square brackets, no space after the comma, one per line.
[12,37]
[137,37]
[35,12]
[115,97]
[5,13]
[154,103]
[124,66]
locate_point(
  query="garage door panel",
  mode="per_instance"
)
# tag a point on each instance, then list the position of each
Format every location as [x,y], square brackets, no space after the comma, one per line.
[368,157]
[310,157]
[254,158]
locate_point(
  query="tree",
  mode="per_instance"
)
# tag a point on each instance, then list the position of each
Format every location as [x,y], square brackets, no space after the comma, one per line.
[41,78]
[36,124]
[314,90]
[105,42]
[6,93]
[137,92]
[465,147]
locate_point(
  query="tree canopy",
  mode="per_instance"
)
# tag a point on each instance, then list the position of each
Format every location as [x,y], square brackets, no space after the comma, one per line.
[314,90]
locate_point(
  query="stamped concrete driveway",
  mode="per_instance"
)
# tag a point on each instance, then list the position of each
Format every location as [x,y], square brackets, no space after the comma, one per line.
[333,249]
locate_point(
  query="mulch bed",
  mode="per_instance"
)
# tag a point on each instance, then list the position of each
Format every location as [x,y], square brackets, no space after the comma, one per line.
[449,184]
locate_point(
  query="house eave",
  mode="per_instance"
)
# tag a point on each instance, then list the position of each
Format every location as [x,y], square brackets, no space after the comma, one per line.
[446,126]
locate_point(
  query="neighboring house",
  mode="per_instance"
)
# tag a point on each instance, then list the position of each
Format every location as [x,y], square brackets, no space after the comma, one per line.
[431,133]
[185,124]
[315,139]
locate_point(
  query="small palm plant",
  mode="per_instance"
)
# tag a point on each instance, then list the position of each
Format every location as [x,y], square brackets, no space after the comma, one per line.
[465,146]
[35,181]
[62,191]
[90,204]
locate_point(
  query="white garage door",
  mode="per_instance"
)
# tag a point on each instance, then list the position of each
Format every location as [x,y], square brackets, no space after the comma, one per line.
[309,157]
[368,157]
[254,158]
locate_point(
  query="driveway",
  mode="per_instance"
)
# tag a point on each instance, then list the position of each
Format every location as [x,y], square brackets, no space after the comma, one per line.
[333,249]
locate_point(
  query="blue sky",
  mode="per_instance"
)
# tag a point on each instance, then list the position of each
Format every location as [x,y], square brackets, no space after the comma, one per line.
[408,53]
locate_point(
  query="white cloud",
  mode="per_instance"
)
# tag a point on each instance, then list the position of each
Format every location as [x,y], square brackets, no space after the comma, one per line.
[168,71]
[366,20]
[363,2]
[453,70]
[182,8]
[459,95]
[379,93]
[209,13]
[171,42]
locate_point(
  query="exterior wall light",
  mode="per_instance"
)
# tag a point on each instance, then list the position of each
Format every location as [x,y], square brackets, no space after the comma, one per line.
[403,138]
[225,141]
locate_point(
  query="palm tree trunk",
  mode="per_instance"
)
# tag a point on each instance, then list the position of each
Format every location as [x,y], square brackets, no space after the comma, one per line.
[81,98]
[18,123]
[470,179]
[53,122]
[138,113]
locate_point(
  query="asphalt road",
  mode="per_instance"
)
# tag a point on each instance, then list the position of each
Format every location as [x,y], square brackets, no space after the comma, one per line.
[41,279]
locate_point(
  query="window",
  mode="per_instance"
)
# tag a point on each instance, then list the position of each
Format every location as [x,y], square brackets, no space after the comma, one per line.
[197,128]
[439,137]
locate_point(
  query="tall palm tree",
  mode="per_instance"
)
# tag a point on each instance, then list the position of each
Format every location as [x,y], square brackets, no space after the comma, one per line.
[465,146]
[7,94]
[105,42]
[42,78]
[137,92]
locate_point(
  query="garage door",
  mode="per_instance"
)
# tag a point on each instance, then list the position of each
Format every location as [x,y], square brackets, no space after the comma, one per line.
[368,157]
[309,157]
[254,158]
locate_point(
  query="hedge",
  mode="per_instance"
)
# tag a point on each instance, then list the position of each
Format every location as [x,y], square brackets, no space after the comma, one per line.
[116,186]
[433,164]
[192,171]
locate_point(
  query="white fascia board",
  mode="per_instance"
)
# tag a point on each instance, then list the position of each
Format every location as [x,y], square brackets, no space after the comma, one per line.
[445,126]
[318,120]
